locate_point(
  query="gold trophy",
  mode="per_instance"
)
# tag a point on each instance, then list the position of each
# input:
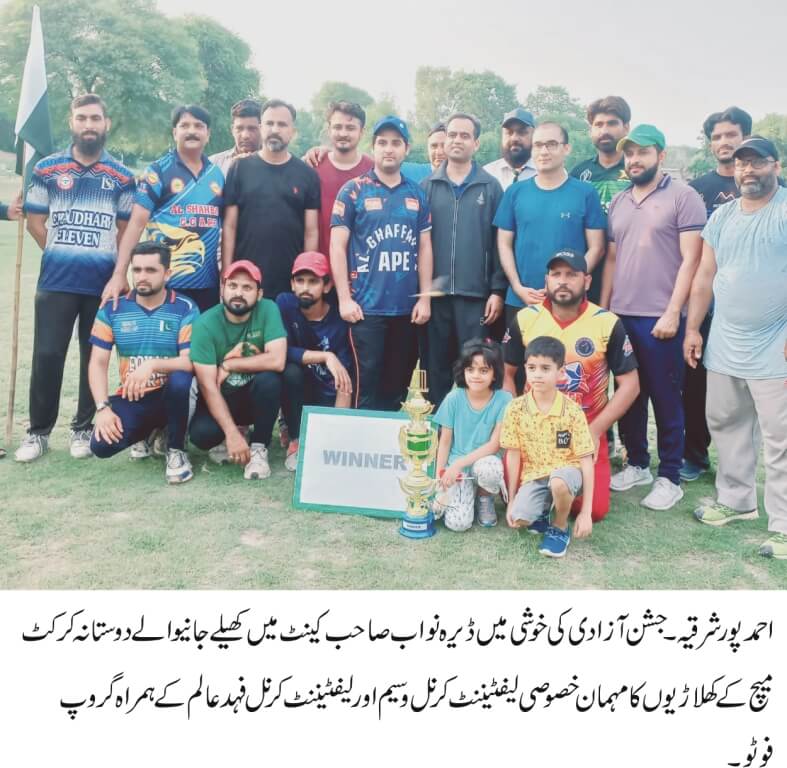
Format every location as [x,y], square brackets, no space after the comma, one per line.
[418,445]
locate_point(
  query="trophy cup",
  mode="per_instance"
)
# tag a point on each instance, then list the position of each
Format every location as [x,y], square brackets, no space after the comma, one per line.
[418,445]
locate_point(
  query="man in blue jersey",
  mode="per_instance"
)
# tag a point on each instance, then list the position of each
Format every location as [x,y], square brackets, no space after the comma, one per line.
[77,206]
[151,330]
[319,359]
[179,203]
[381,259]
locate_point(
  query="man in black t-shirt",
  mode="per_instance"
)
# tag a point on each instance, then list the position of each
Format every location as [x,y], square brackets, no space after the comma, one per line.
[272,203]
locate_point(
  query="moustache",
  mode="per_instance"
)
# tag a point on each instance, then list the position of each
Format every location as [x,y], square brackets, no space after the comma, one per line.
[191,136]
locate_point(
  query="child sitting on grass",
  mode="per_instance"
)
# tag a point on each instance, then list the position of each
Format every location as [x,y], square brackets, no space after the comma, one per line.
[470,419]
[549,452]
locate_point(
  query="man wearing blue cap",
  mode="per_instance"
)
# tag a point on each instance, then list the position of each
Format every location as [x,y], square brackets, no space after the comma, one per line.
[516,141]
[381,259]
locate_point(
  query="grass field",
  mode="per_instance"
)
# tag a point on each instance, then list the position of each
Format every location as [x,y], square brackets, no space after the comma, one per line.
[115,524]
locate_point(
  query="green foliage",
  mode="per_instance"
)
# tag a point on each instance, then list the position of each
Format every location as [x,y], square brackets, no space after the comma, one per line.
[774,127]
[309,132]
[334,90]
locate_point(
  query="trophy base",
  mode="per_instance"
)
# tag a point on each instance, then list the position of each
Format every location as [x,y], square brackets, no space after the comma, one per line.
[418,527]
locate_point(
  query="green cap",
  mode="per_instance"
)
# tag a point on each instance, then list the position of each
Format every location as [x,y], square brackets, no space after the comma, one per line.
[646,136]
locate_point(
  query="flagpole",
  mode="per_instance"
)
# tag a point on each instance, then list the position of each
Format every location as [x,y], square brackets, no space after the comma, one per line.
[9,421]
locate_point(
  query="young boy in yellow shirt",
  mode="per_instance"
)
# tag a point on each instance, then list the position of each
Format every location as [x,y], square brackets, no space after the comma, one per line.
[549,452]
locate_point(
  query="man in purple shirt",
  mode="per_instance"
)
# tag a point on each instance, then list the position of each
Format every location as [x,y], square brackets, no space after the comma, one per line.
[654,249]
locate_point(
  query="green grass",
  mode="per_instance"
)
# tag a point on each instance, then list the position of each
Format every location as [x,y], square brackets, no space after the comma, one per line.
[115,523]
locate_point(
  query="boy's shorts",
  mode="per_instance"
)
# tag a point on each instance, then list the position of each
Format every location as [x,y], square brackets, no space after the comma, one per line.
[534,498]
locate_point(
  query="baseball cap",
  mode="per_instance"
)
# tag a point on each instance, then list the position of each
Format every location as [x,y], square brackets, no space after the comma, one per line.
[244,265]
[392,121]
[520,114]
[645,136]
[760,145]
[312,261]
[574,259]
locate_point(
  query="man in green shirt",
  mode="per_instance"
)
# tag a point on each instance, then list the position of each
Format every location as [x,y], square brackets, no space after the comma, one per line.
[239,349]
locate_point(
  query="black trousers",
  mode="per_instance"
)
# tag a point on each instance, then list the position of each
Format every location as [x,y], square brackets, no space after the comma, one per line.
[300,388]
[255,403]
[55,314]
[454,321]
[386,349]
[694,391]
[204,298]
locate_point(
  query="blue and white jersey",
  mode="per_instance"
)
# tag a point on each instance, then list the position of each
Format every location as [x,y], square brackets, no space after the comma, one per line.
[385,225]
[83,204]
[185,213]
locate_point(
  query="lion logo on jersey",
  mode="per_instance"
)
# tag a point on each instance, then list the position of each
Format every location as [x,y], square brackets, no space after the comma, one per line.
[188,251]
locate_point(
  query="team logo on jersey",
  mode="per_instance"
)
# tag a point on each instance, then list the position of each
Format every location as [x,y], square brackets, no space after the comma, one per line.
[623,175]
[572,381]
[627,348]
[480,199]
[107,184]
[506,336]
[152,178]
[586,175]
[295,190]
[65,181]
[585,347]
[373,204]
[338,208]
[128,326]
[565,214]
[176,186]
[215,187]
[412,204]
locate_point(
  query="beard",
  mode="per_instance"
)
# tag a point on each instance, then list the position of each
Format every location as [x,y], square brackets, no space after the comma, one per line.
[762,187]
[147,290]
[275,144]
[240,309]
[573,300]
[91,145]
[605,144]
[516,156]
[307,301]
[647,175]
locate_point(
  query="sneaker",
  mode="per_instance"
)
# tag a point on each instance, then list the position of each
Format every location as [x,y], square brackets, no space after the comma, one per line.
[32,448]
[665,495]
[158,442]
[80,443]
[540,526]
[485,510]
[140,450]
[218,454]
[178,467]
[554,542]
[629,477]
[689,471]
[258,467]
[713,513]
[291,462]
[775,547]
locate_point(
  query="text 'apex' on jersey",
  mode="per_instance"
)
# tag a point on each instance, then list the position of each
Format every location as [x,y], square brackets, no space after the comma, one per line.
[83,204]
[385,225]
[143,334]
[185,213]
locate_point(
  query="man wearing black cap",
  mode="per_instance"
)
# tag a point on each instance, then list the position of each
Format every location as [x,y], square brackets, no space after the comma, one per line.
[743,268]
[596,345]
[516,140]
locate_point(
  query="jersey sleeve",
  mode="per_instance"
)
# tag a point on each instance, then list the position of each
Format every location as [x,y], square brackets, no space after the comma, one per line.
[692,213]
[504,218]
[509,435]
[620,353]
[232,185]
[594,213]
[37,198]
[610,220]
[150,188]
[446,413]
[274,327]
[295,352]
[424,212]
[101,334]
[125,201]
[583,440]
[343,213]
[186,327]
[203,348]
[514,345]
[710,232]
[312,199]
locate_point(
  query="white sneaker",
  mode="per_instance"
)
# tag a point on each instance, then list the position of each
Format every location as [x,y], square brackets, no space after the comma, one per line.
[80,443]
[665,495]
[629,477]
[32,448]
[140,450]
[218,454]
[258,467]
[178,467]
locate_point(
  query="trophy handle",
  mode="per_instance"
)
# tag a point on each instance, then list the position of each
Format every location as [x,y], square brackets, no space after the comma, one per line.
[403,441]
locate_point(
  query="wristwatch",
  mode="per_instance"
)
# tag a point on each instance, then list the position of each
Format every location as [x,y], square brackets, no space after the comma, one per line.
[103,404]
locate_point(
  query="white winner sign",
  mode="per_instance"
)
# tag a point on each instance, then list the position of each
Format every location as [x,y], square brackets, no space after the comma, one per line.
[349,461]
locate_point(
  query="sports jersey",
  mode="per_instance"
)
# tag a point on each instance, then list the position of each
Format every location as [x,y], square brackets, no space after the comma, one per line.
[596,344]
[326,335]
[385,225]
[142,334]
[715,190]
[606,181]
[185,213]
[83,204]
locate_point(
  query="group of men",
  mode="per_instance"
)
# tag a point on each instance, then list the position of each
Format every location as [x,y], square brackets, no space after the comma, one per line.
[372,268]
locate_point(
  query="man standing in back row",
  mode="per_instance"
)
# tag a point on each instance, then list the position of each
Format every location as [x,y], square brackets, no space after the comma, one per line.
[516,140]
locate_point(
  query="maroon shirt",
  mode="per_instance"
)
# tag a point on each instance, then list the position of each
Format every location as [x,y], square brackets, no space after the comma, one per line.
[331,181]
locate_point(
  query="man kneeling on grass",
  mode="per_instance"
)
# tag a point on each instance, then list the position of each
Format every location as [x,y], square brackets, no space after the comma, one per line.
[549,452]
[239,350]
[151,328]
[319,359]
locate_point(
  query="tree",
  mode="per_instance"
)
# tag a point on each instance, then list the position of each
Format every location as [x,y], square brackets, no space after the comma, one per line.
[554,103]
[229,77]
[774,127]
[334,90]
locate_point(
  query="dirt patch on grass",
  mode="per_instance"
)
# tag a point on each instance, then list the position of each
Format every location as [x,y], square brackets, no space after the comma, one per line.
[252,538]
